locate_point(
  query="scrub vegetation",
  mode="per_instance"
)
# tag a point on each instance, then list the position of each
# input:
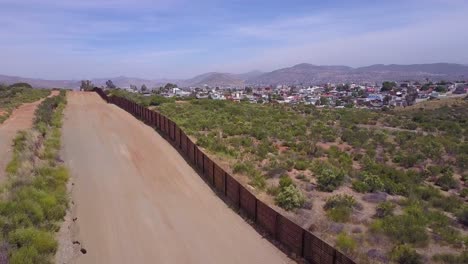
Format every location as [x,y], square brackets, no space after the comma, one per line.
[34,199]
[394,181]
[14,95]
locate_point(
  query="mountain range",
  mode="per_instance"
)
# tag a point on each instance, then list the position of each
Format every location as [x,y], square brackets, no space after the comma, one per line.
[303,73]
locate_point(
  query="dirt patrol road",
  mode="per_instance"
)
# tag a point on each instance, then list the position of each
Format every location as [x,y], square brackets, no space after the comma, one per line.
[137,200]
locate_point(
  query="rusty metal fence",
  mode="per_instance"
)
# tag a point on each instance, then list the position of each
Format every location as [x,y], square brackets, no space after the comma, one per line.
[293,238]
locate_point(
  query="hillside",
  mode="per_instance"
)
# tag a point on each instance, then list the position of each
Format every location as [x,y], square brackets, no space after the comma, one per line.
[214,79]
[303,73]
[313,74]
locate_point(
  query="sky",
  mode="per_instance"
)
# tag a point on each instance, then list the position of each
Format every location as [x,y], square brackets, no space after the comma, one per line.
[77,39]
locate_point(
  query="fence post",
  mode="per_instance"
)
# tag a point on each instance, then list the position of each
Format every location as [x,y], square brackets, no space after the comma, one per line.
[225,183]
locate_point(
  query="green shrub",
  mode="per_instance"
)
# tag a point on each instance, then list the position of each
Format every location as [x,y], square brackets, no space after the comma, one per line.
[43,242]
[19,146]
[448,234]
[451,258]
[20,85]
[447,203]
[329,178]
[462,216]
[384,209]
[302,177]
[368,183]
[289,197]
[258,180]
[246,168]
[345,243]
[427,193]
[285,181]
[360,186]
[464,193]
[409,227]
[340,207]
[300,165]
[447,182]
[26,255]
[405,254]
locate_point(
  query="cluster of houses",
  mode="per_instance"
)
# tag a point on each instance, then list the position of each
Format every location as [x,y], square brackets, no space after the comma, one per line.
[332,95]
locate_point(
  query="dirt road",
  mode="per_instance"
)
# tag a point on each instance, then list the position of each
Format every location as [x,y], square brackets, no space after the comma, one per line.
[137,200]
[20,119]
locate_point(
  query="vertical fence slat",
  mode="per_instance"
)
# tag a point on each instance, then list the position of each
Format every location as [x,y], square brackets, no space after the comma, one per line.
[248,203]
[219,179]
[199,155]
[232,190]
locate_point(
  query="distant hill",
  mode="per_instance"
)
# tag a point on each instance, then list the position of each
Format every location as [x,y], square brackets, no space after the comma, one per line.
[312,74]
[248,75]
[303,73]
[40,83]
[435,68]
[300,74]
[214,79]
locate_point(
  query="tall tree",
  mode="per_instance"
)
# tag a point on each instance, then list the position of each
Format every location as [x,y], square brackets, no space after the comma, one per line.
[86,85]
[144,88]
[387,86]
[133,87]
[169,86]
[110,85]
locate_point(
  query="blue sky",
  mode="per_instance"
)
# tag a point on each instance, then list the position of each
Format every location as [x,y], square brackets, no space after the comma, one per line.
[71,39]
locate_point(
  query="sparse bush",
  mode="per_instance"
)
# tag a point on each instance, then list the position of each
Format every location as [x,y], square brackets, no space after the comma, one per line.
[345,243]
[329,178]
[446,182]
[405,254]
[407,228]
[384,209]
[300,165]
[258,180]
[289,197]
[340,207]
[246,168]
[301,177]
[451,258]
[447,203]
[360,186]
[462,216]
[464,193]
[368,183]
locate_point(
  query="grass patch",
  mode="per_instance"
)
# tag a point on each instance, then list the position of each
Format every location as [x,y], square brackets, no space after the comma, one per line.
[13,96]
[345,243]
[35,196]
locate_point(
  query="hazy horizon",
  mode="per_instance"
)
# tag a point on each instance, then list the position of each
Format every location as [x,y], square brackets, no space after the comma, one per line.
[199,74]
[61,40]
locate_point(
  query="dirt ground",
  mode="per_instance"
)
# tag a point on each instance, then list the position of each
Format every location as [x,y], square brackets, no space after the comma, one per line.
[135,200]
[20,119]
